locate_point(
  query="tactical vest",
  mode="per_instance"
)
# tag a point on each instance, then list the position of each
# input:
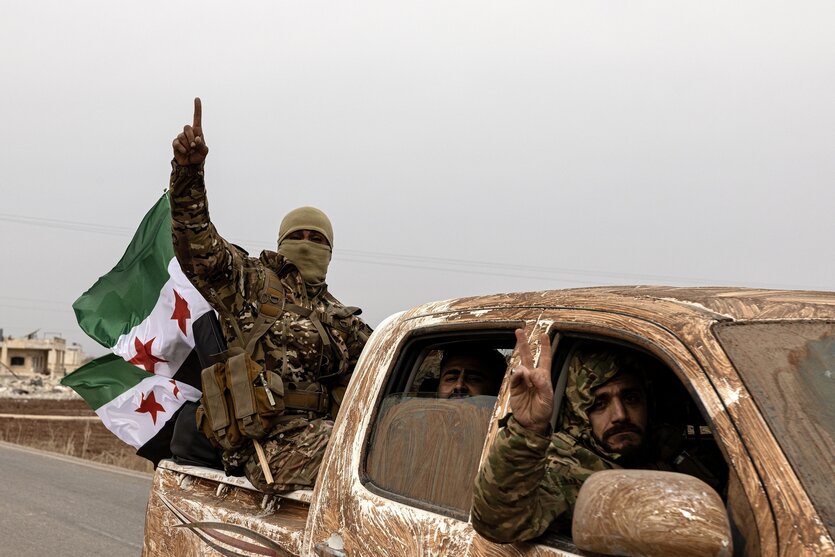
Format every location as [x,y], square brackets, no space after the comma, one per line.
[243,400]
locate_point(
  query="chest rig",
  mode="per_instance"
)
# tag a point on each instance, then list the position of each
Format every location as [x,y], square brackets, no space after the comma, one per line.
[322,314]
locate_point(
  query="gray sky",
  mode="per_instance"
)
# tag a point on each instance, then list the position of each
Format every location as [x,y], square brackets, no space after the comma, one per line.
[459,148]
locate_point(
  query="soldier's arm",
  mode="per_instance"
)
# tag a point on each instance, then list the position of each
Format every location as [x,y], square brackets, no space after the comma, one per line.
[205,257]
[357,335]
[514,499]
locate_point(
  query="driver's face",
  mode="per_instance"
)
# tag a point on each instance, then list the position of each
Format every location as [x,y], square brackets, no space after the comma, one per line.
[464,376]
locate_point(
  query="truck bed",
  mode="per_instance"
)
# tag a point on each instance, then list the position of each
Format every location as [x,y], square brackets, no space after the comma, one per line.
[188,494]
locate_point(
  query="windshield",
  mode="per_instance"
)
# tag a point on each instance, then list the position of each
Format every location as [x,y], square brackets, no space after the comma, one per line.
[789,368]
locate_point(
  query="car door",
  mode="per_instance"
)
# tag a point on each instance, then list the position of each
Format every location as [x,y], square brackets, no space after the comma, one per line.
[711,422]
[398,473]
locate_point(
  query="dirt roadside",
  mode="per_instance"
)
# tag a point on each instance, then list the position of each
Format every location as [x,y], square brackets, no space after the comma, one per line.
[50,417]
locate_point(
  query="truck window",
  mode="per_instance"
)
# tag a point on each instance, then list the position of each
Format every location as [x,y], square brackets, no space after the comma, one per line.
[676,437]
[788,369]
[432,421]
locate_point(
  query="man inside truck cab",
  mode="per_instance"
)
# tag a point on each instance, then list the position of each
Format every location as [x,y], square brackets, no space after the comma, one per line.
[532,475]
[469,370]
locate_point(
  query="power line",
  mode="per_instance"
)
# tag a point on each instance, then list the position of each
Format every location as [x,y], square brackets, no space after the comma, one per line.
[40,306]
[508,266]
[583,277]
[40,300]
[515,270]
[453,270]
[67,309]
[366,257]
[67,225]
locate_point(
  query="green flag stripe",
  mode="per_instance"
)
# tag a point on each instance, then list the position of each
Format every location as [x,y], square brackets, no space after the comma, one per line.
[125,296]
[103,379]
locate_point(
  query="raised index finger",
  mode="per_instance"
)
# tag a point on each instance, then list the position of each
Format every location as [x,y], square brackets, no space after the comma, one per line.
[198,113]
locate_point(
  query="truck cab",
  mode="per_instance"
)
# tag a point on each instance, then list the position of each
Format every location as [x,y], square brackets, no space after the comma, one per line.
[741,376]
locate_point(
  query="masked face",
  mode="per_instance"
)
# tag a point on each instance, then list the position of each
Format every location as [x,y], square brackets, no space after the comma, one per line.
[311,259]
[312,235]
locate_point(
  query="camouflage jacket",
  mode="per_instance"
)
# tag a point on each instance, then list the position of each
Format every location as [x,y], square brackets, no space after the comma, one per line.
[530,482]
[232,282]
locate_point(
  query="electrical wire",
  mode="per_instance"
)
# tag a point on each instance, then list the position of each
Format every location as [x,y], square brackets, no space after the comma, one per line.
[582,277]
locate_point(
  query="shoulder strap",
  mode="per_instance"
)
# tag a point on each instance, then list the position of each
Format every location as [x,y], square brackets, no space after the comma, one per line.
[340,311]
[272,303]
[315,318]
[329,317]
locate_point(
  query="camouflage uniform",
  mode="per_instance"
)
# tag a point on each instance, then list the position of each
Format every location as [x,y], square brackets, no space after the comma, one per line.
[530,482]
[232,283]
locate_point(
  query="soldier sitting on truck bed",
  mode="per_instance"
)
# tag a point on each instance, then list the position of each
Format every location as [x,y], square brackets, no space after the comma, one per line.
[312,344]
[532,476]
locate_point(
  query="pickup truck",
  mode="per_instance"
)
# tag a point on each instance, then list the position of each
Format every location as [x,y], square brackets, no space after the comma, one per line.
[745,373]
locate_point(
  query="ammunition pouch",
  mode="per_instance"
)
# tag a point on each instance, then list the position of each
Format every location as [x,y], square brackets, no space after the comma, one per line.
[240,401]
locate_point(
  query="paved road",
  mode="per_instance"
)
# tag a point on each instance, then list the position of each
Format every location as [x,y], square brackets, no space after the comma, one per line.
[53,505]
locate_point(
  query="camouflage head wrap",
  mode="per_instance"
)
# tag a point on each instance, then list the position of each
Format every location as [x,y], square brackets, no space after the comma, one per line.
[592,365]
[306,218]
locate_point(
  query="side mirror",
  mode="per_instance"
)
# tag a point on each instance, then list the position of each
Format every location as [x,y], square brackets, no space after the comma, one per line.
[648,513]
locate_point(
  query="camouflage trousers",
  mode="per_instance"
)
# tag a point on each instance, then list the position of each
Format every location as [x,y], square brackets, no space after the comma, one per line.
[294,452]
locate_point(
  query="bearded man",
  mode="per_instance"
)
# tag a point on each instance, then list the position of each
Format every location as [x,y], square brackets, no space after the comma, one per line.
[471,370]
[532,476]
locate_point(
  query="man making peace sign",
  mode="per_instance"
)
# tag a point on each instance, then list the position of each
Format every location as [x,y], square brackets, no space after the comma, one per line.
[532,475]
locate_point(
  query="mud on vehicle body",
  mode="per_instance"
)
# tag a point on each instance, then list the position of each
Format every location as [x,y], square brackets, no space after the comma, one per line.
[747,376]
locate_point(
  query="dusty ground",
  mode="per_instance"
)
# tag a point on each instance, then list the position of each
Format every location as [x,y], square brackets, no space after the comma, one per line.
[25,423]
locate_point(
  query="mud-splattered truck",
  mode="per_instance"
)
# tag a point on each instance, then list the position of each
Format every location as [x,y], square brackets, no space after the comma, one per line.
[746,374]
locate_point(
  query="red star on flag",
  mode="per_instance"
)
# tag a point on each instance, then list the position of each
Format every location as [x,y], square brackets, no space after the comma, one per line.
[150,406]
[144,357]
[181,311]
[176,389]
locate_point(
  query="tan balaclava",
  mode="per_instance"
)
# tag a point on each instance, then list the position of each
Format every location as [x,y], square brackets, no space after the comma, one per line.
[310,258]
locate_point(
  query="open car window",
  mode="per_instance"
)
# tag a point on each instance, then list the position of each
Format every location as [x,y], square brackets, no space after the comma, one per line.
[677,436]
[429,431]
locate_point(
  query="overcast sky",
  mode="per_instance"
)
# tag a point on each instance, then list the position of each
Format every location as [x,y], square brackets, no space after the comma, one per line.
[459,148]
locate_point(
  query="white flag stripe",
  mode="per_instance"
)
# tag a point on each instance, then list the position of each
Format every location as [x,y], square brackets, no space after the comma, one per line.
[137,428]
[169,342]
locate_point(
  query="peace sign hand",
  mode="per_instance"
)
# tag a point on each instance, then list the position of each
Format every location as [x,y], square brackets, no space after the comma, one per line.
[531,392]
[189,146]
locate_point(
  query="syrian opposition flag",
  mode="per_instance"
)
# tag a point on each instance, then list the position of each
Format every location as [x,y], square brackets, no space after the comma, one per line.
[148,313]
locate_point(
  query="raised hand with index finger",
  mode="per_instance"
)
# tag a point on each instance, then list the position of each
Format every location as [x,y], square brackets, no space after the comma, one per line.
[531,392]
[190,146]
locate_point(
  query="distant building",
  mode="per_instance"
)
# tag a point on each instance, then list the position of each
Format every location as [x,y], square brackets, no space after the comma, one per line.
[33,356]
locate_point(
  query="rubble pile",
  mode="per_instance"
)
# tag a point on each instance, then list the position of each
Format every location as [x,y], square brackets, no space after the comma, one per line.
[34,386]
